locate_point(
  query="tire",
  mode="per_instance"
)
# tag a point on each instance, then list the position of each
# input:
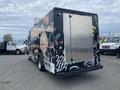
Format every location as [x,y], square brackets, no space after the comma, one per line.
[40,63]
[17,52]
[27,53]
[29,58]
[40,66]
[118,55]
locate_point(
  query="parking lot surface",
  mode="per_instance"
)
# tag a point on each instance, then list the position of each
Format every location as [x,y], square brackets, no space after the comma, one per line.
[17,73]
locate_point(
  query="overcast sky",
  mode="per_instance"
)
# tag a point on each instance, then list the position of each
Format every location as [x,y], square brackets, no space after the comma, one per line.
[17,16]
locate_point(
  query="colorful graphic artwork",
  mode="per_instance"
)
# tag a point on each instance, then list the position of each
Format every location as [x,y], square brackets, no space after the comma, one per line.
[35,32]
[43,42]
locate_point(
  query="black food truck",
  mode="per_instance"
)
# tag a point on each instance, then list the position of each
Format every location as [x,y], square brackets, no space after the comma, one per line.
[66,42]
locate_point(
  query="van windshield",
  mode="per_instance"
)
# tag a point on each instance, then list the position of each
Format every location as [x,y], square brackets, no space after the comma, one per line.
[112,39]
[19,43]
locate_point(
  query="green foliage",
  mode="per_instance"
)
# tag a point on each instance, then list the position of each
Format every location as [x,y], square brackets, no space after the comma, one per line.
[102,40]
[7,37]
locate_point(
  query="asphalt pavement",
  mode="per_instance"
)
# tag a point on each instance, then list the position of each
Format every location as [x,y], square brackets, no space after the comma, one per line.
[17,73]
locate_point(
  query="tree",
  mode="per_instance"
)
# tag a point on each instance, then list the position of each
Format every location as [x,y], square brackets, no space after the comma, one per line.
[7,37]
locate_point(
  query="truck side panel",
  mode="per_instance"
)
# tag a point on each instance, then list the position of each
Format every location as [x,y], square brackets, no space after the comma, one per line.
[42,37]
[47,41]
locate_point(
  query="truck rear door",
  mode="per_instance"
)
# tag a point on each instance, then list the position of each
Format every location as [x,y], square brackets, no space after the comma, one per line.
[78,37]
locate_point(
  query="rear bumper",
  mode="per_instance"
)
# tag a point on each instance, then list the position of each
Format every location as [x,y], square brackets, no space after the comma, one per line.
[79,71]
[110,51]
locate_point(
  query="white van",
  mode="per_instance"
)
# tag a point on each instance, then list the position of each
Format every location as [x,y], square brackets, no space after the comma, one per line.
[17,48]
[111,45]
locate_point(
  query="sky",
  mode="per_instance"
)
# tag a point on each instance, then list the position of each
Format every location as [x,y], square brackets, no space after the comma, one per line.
[17,16]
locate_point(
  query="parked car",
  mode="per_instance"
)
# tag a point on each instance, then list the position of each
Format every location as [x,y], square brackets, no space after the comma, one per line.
[16,48]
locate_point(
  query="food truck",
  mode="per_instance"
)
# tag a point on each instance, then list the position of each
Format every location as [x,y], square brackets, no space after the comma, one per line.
[66,42]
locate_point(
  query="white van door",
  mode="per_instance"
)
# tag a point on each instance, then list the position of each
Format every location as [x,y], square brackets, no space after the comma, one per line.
[11,46]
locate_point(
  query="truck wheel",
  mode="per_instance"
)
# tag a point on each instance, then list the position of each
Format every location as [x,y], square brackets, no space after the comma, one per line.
[40,63]
[29,58]
[17,52]
[40,66]
[118,53]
